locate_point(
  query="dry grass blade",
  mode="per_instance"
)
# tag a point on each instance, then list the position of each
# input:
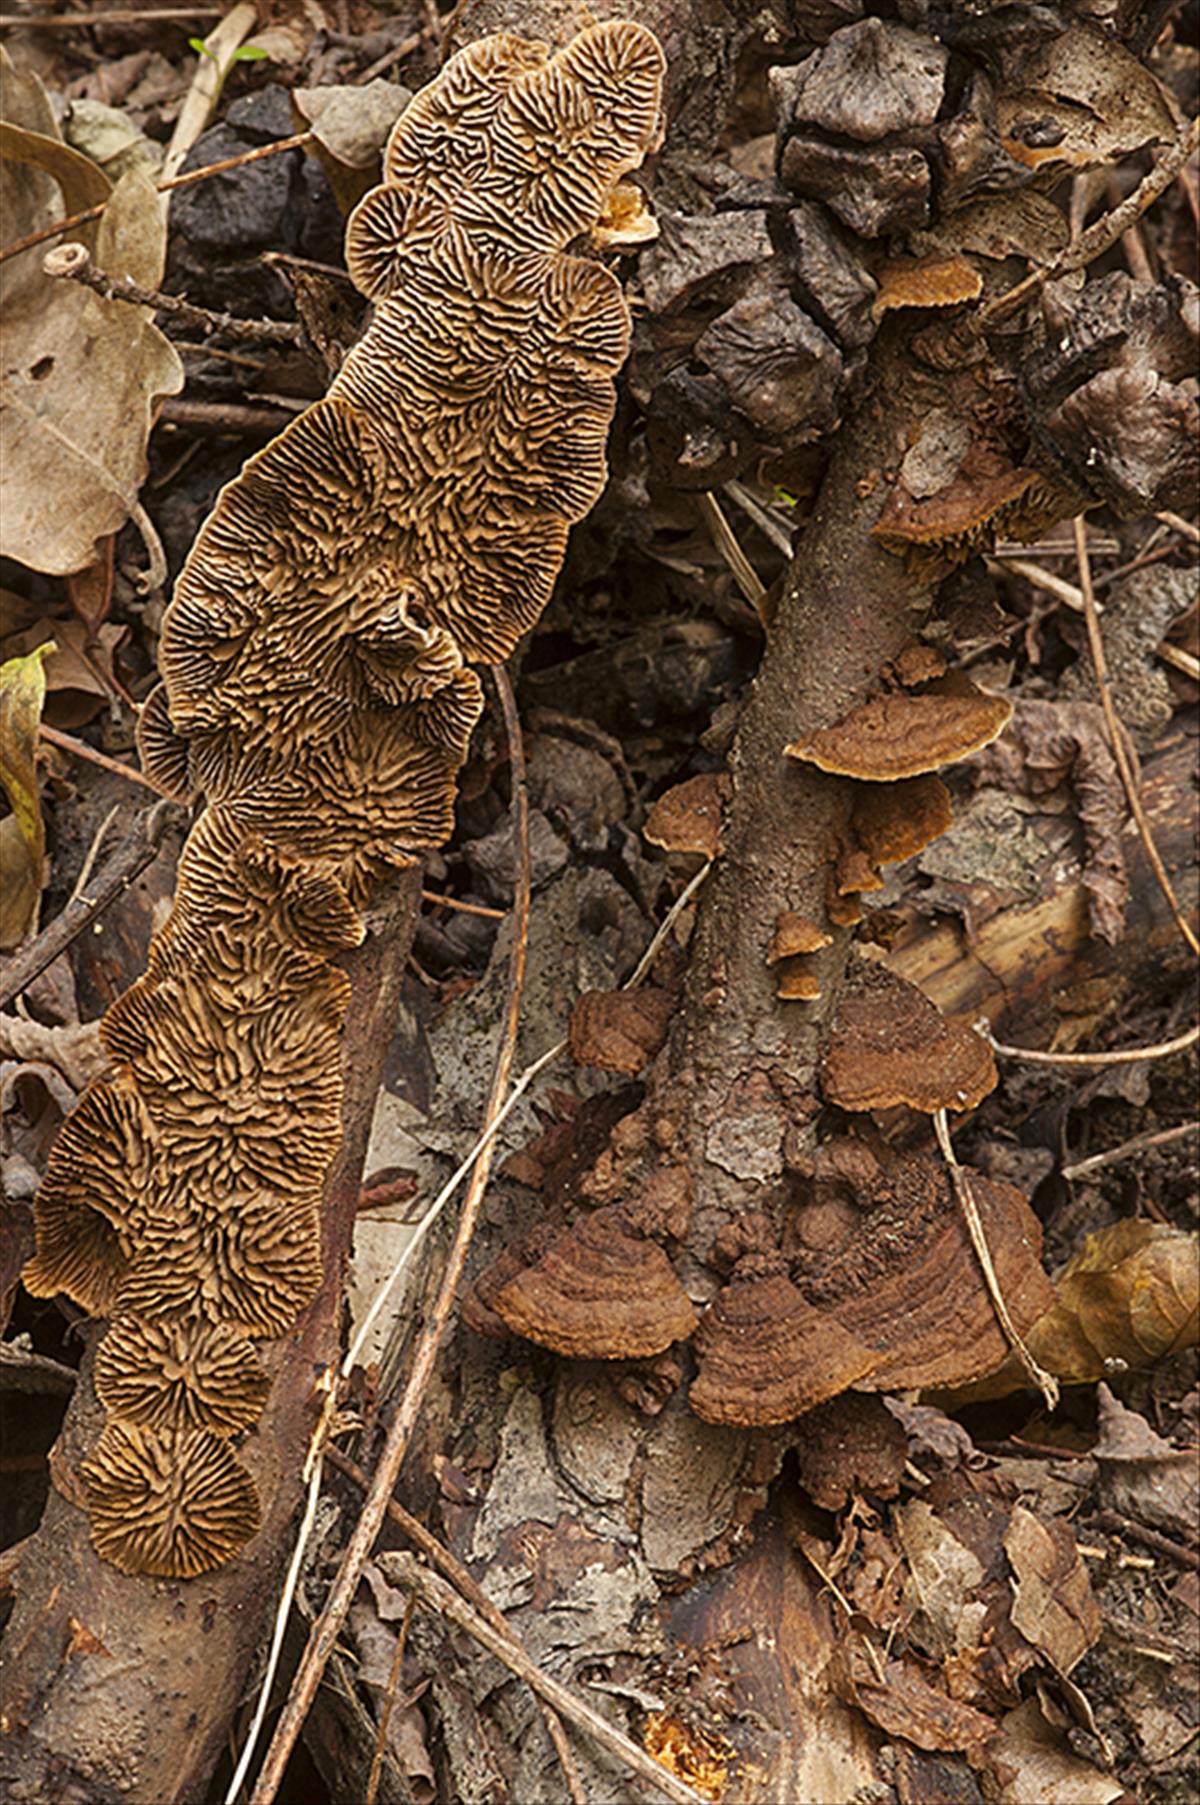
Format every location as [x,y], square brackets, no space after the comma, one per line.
[405,1570]
[325,1631]
[1117,737]
[1162,1049]
[727,543]
[1037,1375]
[1110,1157]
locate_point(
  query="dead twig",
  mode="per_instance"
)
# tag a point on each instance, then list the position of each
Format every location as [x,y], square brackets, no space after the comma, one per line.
[1117,738]
[1110,1157]
[1178,524]
[457,1574]
[727,543]
[1150,1538]
[1104,231]
[1008,564]
[69,224]
[73,263]
[1036,1374]
[389,1700]
[1187,662]
[1163,1049]
[464,908]
[405,1570]
[80,749]
[325,1631]
[121,15]
[139,850]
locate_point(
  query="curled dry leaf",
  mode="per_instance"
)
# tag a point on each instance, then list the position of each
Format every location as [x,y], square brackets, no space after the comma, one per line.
[83,376]
[1053,1607]
[1080,99]
[904,1704]
[1142,1475]
[22,832]
[1129,1298]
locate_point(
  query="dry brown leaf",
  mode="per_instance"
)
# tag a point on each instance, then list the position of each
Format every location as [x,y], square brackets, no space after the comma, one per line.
[350,127]
[1032,1761]
[1053,1607]
[1081,99]
[82,376]
[22,833]
[1128,1298]
[904,1704]
[1141,1475]
[78,669]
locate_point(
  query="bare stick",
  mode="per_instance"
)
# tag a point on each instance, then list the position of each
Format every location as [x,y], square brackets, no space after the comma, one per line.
[465,908]
[80,749]
[1178,524]
[1008,564]
[121,15]
[1117,737]
[325,1631]
[440,1555]
[139,850]
[1162,1138]
[1104,231]
[179,181]
[1163,1049]
[73,263]
[389,1700]
[1187,662]
[406,1571]
[1037,1375]
[729,546]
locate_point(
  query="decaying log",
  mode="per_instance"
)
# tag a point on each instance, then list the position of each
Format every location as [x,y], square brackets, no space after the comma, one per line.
[124,1690]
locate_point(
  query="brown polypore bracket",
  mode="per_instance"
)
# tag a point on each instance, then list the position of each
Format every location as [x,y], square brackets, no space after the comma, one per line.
[904,734]
[890,822]
[601,1292]
[890,1045]
[687,818]
[619,1030]
[927,282]
[909,1284]
[987,499]
[317,694]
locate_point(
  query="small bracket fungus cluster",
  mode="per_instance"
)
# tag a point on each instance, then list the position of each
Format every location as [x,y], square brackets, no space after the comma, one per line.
[317,694]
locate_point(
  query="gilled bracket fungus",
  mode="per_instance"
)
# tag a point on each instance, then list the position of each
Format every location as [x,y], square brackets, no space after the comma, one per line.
[317,695]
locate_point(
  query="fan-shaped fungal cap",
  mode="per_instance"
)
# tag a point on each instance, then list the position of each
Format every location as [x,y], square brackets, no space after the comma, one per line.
[910,1285]
[687,818]
[600,1293]
[889,1044]
[904,735]
[982,501]
[172,1374]
[795,934]
[619,1030]
[173,1504]
[795,984]
[926,282]
[765,1355]
[890,822]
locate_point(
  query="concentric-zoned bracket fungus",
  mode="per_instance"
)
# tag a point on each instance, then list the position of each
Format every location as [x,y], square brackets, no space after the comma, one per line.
[619,1030]
[687,817]
[317,696]
[889,1045]
[905,735]
[599,1293]
[765,1355]
[890,822]
[909,1283]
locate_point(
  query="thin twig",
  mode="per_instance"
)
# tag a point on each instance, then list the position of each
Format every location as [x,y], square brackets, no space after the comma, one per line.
[179,181]
[457,1574]
[1187,662]
[389,1700]
[1036,1374]
[139,850]
[1150,1538]
[1162,1138]
[89,860]
[1104,231]
[80,749]
[464,908]
[1007,564]
[73,263]
[324,1632]
[1163,1049]
[121,15]
[406,1571]
[1117,737]
[1178,524]
[765,521]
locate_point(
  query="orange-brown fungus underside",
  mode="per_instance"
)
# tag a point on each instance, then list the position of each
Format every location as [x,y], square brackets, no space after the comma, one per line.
[317,695]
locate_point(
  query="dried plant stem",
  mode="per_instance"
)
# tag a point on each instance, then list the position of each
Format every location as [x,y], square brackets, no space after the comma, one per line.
[1103,232]
[457,1574]
[1187,662]
[139,850]
[325,1631]
[73,263]
[464,908]
[1117,737]
[45,233]
[729,546]
[441,1597]
[93,851]
[1162,1138]
[80,749]
[1037,1375]
[1007,564]
[389,1700]
[1162,1049]
[1178,524]
[121,15]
